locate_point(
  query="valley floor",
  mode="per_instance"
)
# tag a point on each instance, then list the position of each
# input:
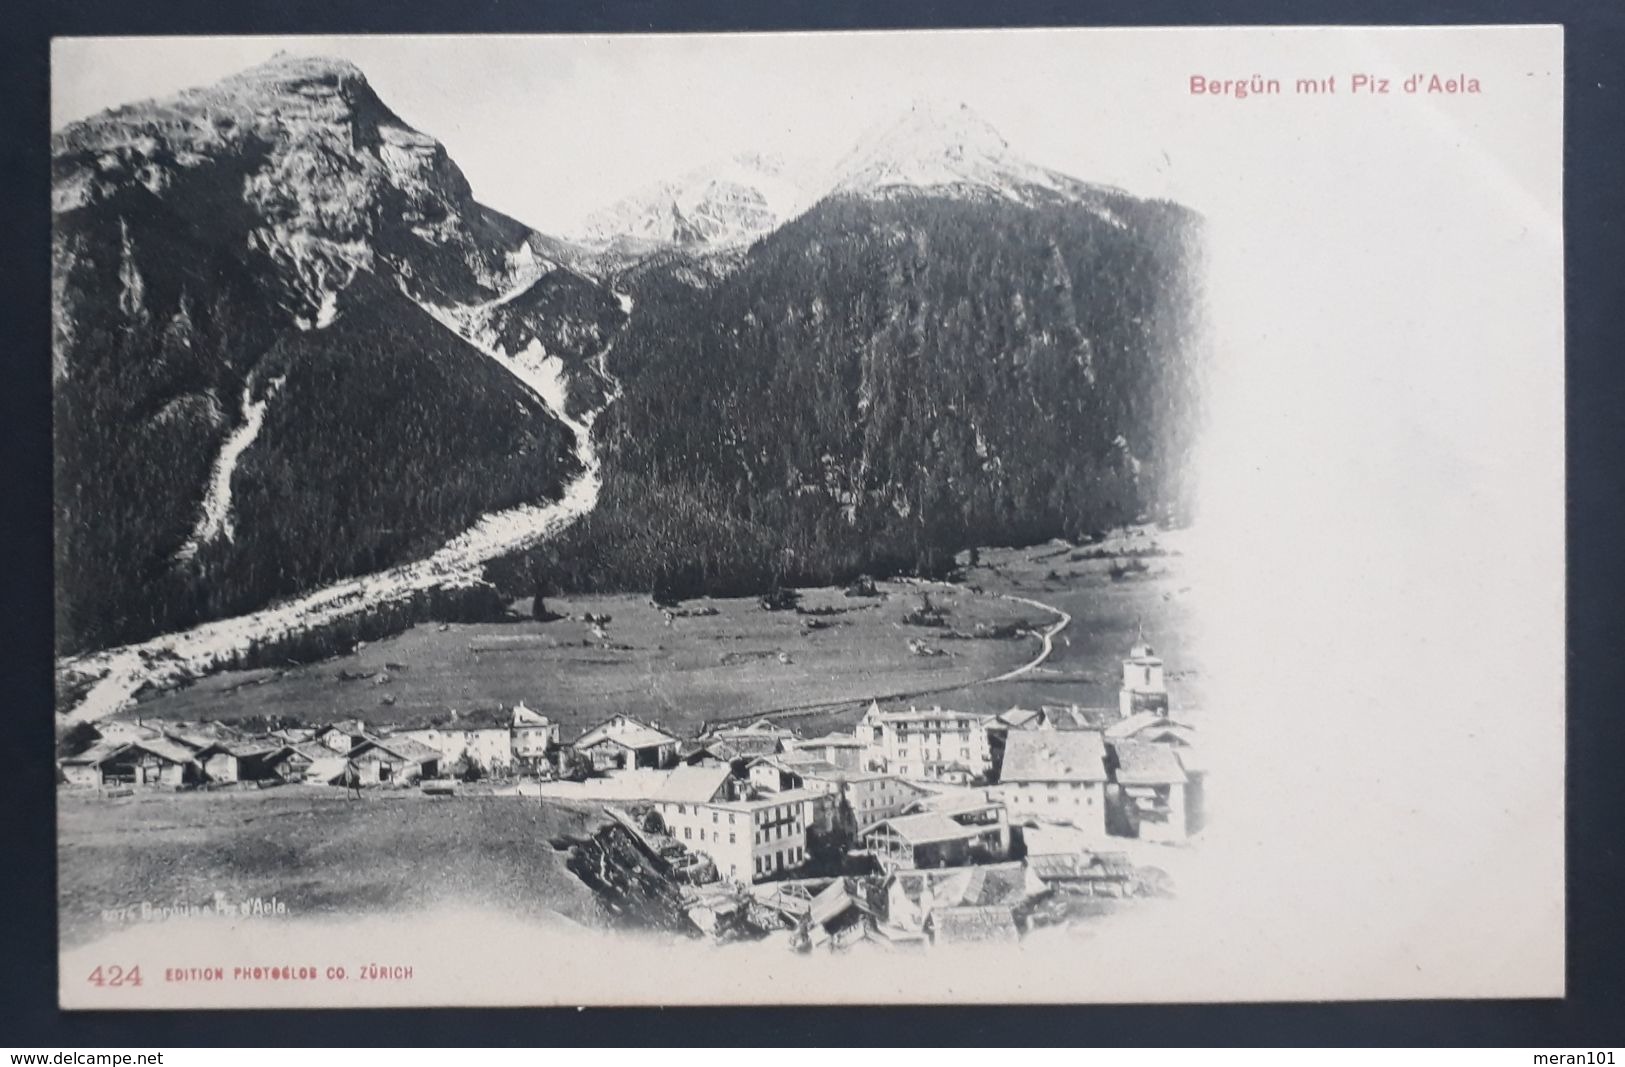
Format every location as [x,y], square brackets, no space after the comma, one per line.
[739,661]
[325,857]
[744,662]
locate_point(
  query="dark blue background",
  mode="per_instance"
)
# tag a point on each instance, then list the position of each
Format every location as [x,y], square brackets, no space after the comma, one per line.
[1594,184]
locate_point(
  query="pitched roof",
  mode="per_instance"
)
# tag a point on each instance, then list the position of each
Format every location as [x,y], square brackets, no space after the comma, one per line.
[692,784]
[240,749]
[95,753]
[1078,866]
[633,734]
[1004,883]
[200,735]
[404,747]
[641,736]
[1112,862]
[760,726]
[931,714]
[789,796]
[818,770]
[806,764]
[1059,866]
[948,885]
[740,746]
[841,774]
[1019,718]
[827,741]
[1054,756]
[1072,717]
[1132,725]
[523,716]
[1142,721]
[164,749]
[1148,763]
[926,828]
[834,901]
[993,923]
[953,801]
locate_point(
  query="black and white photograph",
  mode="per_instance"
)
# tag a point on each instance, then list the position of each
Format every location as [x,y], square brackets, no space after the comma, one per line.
[1000,516]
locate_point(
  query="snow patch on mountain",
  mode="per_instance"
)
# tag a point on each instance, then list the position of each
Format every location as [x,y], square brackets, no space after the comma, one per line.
[729,202]
[328,311]
[543,374]
[932,148]
[132,289]
[951,150]
[215,520]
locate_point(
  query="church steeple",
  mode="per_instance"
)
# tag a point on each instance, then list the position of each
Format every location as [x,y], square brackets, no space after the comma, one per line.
[1144,688]
[1141,648]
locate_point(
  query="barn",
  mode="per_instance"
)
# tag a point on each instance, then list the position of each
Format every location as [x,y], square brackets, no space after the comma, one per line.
[84,770]
[150,763]
[389,759]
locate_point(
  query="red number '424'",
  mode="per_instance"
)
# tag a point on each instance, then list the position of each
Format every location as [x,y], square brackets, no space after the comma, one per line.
[116,976]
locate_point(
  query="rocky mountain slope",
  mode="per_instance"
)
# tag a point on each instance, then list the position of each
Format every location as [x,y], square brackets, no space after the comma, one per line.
[952,346]
[949,150]
[300,372]
[290,346]
[728,203]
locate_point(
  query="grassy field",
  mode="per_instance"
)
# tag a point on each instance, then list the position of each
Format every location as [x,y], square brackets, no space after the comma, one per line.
[317,852]
[698,667]
[726,665]
[323,855]
[1085,666]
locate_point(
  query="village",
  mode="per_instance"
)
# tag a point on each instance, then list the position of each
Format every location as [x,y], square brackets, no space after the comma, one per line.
[919,826]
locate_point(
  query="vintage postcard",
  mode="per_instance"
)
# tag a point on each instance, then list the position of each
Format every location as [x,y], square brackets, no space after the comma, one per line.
[1002,516]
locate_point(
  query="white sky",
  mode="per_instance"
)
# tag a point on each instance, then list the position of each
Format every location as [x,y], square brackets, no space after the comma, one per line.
[549,128]
[1380,553]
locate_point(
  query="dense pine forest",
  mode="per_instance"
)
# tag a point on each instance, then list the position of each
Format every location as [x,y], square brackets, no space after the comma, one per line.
[885,382]
[290,348]
[383,434]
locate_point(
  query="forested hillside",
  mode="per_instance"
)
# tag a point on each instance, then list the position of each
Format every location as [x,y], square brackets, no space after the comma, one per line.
[884,381]
[275,311]
[290,347]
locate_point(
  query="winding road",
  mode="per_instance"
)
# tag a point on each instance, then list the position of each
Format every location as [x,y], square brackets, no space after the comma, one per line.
[1046,636]
[1046,647]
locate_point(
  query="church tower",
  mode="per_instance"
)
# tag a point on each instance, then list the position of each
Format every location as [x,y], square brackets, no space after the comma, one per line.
[1144,688]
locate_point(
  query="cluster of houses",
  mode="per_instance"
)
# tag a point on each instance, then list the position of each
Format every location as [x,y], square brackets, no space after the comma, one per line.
[913,789]
[991,902]
[130,754]
[916,790]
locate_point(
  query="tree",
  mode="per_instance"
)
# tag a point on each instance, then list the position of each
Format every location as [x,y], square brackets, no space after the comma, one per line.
[574,766]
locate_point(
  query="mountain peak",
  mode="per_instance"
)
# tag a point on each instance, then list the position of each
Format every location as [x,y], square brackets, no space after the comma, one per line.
[932,124]
[931,144]
[939,148]
[287,70]
[727,202]
[281,93]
